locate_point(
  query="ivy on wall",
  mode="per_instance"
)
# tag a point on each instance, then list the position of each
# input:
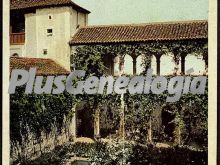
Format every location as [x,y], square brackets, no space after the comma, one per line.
[32,113]
[37,113]
[140,107]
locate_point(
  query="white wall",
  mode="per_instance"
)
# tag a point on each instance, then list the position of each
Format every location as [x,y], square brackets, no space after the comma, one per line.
[139,67]
[57,44]
[63,23]
[195,62]
[82,19]
[128,65]
[19,49]
[167,64]
[30,35]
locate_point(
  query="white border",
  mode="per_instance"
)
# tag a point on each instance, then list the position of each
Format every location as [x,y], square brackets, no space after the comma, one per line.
[5,98]
[212,88]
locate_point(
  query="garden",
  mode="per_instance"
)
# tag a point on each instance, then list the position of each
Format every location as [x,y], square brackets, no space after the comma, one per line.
[130,132]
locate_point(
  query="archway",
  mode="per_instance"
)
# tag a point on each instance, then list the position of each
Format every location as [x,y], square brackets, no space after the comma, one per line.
[128,65]
[109,122]
[168,117]
[154,64]
[84,122]
[195,62]
[140,67]
[167,64]
[108,60]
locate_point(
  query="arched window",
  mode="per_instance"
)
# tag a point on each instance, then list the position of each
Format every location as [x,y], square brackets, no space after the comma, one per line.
[195,62]
[109,63]
[15,55]
[139,62]
[128,65]
[167,64]
[154,64]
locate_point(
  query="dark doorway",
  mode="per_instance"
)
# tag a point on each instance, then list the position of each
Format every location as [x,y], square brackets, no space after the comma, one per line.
[109,122]
[168,117]
[85,125]
[109,64]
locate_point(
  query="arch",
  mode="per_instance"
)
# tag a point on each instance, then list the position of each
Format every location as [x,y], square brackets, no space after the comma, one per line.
[167,64]
[84,122]
[15,55]
[168,117]
[128,65]
[139,67]
[108,61]
[109,122]
[195,62]
[154,64]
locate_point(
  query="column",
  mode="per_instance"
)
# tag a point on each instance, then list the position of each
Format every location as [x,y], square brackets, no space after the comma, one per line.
[112,65]
[149,131]
[177,132]
[205,57]
[116,66]
[177,62]
[72,127]
[158,64]
[177,139]
[122,117]
[121,65]
[96,123]
[206,67]
[183,63]
[134,65]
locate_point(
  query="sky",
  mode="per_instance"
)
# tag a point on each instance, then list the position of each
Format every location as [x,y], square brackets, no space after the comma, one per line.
[105,12]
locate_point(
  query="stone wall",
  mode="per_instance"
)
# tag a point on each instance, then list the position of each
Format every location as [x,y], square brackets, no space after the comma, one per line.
[32,146]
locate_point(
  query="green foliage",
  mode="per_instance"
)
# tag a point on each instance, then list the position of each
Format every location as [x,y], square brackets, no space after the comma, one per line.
[32,113]
[124,153]
[90,58]
[194,115]
[80,149]
[165,156]
[37,113]
[56,157]
[189,110]
[111,153]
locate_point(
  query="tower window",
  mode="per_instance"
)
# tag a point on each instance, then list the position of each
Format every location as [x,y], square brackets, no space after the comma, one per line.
[15,55]
[49,32]
[45,51]
[50,16]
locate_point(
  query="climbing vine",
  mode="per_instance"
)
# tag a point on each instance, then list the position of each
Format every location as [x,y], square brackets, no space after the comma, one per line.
[34,114]
[39,113]
[139,108]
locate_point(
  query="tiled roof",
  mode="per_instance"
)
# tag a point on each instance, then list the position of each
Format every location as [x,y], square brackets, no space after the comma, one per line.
[141,32]
[44,66]
[25,4]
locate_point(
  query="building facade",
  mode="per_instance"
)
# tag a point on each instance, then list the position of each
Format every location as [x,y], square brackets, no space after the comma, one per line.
[42,29]
[53,29]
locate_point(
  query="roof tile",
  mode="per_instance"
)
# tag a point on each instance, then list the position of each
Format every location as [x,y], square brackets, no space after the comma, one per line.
[25,4]
[44,66]
[141,32]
